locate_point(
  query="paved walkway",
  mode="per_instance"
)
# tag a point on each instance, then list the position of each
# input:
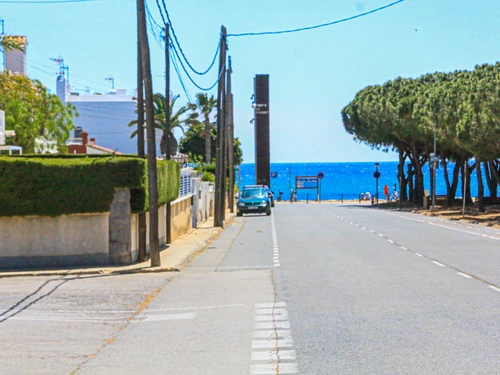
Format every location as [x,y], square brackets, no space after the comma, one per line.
[173,257]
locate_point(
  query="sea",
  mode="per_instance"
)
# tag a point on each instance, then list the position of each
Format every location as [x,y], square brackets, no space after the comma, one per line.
[342,180]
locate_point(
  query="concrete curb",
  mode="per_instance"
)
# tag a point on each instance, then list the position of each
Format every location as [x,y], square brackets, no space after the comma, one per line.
[125,271]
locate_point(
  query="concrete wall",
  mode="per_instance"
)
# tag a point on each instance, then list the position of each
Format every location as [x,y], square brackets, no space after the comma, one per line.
[181,217]
[36,241]
[203,201]
[119,228]
[84,239]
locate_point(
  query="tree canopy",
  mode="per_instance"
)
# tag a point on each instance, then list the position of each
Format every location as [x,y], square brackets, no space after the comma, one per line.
[34,113]
[462,106]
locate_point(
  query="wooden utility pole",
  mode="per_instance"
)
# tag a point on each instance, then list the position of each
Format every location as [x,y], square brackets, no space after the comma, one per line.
[168,210]
[154,242]
[220,166]
[140,145]
[230,137]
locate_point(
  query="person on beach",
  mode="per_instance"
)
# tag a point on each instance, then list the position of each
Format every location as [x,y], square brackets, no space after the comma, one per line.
[386,193]
[395,194]
[368,196]
[362,196]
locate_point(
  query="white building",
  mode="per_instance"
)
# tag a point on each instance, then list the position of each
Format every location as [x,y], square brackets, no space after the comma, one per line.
[104,116]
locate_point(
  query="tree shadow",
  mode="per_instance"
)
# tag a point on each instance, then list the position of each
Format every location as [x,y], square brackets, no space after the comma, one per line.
[13,311]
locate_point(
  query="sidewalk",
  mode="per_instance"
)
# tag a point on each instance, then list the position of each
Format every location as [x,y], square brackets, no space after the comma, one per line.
[174,257]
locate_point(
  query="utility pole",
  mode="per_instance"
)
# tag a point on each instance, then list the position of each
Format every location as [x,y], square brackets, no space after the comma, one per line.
[433,171]
[220,167]
[168,210]
[154,242]
[230,137]
[140,144]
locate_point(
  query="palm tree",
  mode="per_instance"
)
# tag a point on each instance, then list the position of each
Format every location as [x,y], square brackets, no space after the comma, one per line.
[160,122]
[205,105]
[10,43]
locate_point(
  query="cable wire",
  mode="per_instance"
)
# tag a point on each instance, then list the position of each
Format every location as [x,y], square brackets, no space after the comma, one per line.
[44,1]
[317,26]
[176,68]
[179,45]
[187,73]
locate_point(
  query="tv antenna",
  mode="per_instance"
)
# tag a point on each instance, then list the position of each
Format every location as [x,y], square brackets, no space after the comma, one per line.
[110,78]
[63,69]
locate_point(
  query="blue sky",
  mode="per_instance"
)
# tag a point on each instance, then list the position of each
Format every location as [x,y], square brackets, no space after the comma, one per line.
[312,74]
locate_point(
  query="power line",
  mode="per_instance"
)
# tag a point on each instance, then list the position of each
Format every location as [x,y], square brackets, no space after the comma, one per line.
[179,45]
[176,68]
[317,26]
[44,1]
[155,28]
[190,78]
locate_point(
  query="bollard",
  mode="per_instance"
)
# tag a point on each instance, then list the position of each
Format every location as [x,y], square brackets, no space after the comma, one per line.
[373,200]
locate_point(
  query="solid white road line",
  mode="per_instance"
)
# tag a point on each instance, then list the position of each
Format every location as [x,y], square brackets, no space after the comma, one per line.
[464,275]
[162,318]
[404,217]
[494,288]
[455,229]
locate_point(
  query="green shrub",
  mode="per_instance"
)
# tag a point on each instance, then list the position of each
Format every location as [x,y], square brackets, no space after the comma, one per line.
[53,186]
[207,176]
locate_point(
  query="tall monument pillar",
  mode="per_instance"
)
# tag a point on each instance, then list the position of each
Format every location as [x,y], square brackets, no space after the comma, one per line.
[261,121]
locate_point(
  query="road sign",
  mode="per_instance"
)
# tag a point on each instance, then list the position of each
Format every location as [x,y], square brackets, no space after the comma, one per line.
[274,174]
[321,175]
[376,174]
[306,182]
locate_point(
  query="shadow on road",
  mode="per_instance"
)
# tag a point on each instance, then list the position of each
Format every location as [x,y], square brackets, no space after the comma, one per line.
[13,310]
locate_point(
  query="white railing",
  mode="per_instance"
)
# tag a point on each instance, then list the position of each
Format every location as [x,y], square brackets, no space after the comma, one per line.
[186,185]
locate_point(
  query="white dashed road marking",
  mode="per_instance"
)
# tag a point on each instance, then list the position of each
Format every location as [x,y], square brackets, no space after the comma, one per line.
[276,253]
[464,275]
[438,264]
[272,343]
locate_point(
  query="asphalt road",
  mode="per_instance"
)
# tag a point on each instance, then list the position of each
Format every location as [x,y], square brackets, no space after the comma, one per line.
[313,289]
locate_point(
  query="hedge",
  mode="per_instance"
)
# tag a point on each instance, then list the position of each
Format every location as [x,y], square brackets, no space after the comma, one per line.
[53,186]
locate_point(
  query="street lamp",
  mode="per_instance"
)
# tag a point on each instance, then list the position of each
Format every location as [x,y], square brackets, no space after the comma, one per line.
[376,174]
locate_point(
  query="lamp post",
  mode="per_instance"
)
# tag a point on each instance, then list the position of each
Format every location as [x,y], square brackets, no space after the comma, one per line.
[376,174]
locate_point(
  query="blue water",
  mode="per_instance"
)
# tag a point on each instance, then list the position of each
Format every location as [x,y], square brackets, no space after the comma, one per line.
[347,179]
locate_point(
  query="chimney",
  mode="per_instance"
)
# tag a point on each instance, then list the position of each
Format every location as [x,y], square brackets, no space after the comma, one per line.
[92,141]
[15,60]
[85,138]
[61,88]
